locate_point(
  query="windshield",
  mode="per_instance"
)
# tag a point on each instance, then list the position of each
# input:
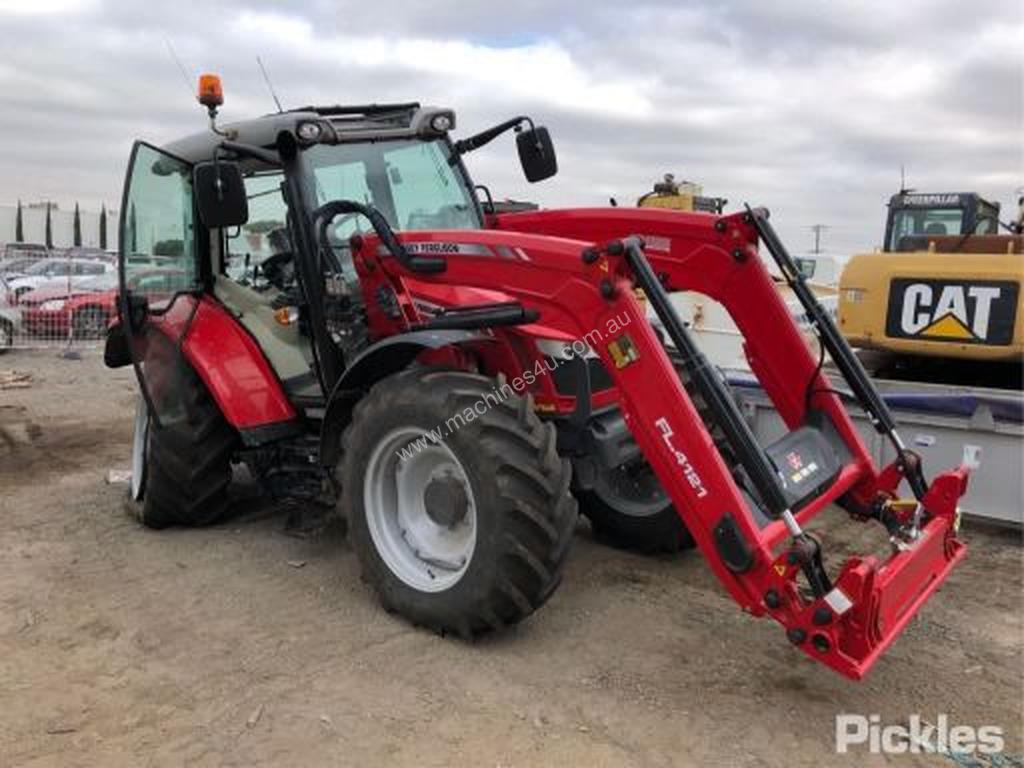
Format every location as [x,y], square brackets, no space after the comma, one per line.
[925,221]
[411,182]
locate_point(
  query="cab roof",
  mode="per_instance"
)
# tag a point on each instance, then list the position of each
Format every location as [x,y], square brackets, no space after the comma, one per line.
[339,124]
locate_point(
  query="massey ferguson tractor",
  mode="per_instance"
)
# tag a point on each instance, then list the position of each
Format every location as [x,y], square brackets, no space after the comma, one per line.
[361,333]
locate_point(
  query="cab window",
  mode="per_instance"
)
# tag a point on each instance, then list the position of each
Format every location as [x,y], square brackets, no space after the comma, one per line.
[248,248]
[157,224]
[925,221]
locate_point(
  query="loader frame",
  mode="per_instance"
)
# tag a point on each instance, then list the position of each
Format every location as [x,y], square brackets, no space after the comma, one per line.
[773,567]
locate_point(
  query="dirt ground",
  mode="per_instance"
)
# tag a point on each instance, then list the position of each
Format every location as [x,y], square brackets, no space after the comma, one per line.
[240,645]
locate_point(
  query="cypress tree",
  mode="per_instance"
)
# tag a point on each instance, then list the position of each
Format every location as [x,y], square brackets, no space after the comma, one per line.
[103,226]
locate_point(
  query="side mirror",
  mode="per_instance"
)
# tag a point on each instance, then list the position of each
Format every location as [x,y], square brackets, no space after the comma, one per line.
[220,194]
[537,154]
[138,310]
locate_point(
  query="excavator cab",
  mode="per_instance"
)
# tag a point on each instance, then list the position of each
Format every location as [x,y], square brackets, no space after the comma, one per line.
[915,217]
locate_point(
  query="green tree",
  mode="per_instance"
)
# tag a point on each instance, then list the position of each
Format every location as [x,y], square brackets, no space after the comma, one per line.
[169,248]
[103,226]
[49,227]
[77,227]
[263,226]
[19,227]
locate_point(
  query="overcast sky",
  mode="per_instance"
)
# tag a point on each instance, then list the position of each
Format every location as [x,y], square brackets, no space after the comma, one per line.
[807,107]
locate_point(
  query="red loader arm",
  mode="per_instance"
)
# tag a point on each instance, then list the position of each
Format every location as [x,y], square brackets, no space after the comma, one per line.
[756,547]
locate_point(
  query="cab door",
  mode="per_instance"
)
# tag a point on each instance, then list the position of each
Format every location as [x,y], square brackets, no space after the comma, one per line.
[158,236]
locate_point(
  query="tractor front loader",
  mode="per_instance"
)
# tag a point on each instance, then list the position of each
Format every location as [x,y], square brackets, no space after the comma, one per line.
[454,390]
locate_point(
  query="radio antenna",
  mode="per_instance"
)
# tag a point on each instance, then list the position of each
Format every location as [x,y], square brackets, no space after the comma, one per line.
[189,81]
[270,87]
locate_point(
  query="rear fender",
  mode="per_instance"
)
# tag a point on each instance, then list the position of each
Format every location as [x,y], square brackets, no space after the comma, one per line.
[384,358]
[238,375]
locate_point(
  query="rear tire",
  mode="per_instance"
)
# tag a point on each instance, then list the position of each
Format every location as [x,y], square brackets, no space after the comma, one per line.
[628,508]
[493,549]
[6,336]
[188,460]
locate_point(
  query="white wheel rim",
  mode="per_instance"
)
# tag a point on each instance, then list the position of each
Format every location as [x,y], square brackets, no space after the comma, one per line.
[426,554]
[139,446]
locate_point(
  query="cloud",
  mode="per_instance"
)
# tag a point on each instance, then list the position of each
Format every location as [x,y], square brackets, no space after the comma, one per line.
[808,109]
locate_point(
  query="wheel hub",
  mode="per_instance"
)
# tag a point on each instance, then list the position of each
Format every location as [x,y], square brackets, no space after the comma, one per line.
[420,509]
[446,501]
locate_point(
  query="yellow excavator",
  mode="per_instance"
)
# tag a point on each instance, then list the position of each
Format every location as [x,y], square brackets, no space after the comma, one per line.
[945,286]
[680,196]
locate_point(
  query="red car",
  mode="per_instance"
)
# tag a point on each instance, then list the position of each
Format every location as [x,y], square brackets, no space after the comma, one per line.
[91,305]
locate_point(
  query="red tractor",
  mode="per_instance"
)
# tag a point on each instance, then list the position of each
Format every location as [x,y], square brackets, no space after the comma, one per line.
[364,335]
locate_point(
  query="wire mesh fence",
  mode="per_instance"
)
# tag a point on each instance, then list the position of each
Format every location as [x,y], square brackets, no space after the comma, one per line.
[55,297]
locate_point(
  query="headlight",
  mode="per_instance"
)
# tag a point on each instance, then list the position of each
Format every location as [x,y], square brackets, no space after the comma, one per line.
[854,295]
[309,131]
[442,122]
[54,305]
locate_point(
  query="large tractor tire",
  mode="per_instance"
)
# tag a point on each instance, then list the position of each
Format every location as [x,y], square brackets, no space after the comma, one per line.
[6,336]
[464,531]
[628,508]
[182,467]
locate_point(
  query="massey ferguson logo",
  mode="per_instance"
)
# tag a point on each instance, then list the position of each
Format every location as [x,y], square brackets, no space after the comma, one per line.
[979,312]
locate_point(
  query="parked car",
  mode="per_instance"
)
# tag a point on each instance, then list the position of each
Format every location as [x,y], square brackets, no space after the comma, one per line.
[10,317]
[59,273]
[91,304]
[25,250]
[11,268]
[96,254]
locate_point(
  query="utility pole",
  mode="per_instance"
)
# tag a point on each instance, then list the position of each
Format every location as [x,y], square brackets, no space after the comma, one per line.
[817,229]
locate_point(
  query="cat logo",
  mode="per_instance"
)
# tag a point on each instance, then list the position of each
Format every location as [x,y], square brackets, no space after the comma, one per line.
[972,312]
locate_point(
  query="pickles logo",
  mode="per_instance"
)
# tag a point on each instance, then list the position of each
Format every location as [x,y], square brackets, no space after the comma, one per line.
[973,312]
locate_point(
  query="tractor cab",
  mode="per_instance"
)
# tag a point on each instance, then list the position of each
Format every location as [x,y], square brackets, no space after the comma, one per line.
[914,217]
[245,211]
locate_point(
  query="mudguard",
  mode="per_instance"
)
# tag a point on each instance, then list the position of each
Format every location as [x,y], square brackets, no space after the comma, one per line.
[381,359]
[238,375]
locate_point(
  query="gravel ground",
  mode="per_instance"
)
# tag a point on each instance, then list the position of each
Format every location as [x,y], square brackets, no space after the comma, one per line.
[240,645]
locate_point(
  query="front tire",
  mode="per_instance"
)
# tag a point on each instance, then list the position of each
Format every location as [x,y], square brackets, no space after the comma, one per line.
[628,508]
[188,459]
[458,504]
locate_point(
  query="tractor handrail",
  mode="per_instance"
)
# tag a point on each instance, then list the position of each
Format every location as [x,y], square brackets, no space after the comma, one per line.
[323,216]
